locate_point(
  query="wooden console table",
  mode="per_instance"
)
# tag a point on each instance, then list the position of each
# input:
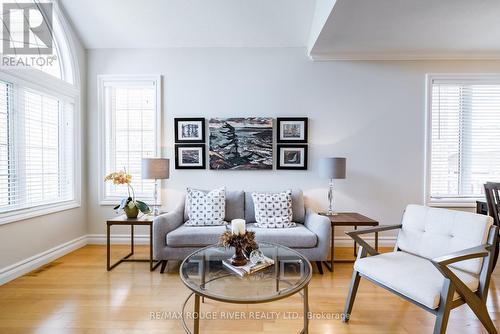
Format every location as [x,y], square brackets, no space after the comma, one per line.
[348,219]
[123,220]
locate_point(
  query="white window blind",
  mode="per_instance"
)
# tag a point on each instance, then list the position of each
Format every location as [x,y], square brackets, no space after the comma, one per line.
[464,138]
[36,148]
[131,119]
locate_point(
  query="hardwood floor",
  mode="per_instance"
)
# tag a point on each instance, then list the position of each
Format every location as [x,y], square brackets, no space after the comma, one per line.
[75,294]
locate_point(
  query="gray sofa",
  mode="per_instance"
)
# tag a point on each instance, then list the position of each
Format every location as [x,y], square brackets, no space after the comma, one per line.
[175,241]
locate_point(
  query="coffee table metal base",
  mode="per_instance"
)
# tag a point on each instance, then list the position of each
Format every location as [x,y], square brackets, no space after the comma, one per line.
[196,315]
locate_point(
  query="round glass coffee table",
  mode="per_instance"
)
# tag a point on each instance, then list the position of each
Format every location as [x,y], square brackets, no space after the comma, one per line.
[206,276]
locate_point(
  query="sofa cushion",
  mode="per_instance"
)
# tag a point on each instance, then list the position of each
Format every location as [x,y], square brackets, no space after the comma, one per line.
[433,232]
[298,208]
[235,205]
[206,208]
[273,210]
[197,236]
[293,237]
[410,275]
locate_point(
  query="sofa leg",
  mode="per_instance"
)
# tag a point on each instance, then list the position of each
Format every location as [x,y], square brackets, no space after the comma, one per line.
[163,266]
[320,267]
[351,296]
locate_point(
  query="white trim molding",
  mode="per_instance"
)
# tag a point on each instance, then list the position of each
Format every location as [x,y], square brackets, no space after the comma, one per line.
[36,261]
[143,239]
[107,79]
[361,56]
[446,202]
[117,239]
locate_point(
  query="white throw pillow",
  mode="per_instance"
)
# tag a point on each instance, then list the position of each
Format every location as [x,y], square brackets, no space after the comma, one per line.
[206,208]
[273,210]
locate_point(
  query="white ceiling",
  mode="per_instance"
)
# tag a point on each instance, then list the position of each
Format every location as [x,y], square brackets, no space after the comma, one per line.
[410,29]
[330,29]
[191,23]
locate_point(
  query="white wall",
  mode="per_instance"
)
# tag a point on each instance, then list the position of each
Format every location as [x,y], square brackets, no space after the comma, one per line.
[370,112]
[29,238]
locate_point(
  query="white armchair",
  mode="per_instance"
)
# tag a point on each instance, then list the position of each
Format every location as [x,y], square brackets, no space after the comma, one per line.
[442,259]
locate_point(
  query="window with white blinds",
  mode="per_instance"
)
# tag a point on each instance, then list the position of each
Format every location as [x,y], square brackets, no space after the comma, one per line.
[464,138]
[131,118]
[36,148]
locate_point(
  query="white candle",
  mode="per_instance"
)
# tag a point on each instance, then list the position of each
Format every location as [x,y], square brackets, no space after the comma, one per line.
[238,226]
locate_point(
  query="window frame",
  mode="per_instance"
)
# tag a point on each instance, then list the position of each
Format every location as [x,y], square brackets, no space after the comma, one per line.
[102,79]
[447,202]
[47,84]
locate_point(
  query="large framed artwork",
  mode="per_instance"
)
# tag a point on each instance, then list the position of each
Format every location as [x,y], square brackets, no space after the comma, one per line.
[190,156]
[241,143]
[292,157]
[189,130]
[292,129]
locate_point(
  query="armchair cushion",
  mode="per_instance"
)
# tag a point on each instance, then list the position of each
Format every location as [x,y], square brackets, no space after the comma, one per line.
[412,276]
[432,232]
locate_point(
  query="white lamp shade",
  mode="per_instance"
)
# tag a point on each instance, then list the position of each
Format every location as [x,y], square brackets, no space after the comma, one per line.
[155,168]
[332,168]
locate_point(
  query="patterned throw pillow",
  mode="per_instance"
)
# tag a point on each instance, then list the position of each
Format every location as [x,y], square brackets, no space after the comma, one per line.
[273,210]
[206,208]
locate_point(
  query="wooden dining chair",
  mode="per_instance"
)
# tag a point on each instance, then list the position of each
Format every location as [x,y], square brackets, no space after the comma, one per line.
[492,191]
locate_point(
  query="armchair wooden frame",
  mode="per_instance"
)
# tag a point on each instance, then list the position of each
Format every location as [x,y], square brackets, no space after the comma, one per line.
[475,300]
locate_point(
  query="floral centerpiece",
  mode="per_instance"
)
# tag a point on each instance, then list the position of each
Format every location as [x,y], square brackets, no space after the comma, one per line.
[129,205]
[242,240]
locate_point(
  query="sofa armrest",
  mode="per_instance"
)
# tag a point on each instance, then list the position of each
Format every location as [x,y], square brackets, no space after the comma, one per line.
[164,224]
[319,225]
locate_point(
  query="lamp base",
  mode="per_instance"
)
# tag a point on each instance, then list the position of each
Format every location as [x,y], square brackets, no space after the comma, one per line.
[156,211]
[332,213]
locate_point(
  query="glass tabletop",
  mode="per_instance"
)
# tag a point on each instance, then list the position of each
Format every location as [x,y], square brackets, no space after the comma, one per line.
[204,273]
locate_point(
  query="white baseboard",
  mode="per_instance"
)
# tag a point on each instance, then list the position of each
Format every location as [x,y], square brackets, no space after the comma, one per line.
[25,266]
[100,239]
[382,241]
[143,239]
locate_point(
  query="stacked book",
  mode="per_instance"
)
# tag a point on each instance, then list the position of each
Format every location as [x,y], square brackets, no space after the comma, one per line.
[248,268]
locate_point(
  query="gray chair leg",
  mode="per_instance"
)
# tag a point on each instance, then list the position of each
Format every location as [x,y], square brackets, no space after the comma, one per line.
[163,266]
[351,296]
[444,307]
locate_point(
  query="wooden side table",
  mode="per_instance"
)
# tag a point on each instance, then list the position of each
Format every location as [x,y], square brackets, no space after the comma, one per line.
[123,220]
[348,219]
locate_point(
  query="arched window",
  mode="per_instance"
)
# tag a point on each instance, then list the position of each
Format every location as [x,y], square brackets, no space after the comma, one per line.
[39,112]
[45,17]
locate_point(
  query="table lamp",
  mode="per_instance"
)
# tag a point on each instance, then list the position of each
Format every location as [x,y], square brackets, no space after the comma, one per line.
[157,169]
[332,168]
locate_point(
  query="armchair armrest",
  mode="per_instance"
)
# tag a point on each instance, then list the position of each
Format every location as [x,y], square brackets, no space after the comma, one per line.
[466,254]
[355,235]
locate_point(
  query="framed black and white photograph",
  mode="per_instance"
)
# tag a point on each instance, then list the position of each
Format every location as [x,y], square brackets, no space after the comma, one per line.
[292,129]
[292,157]
[189,156]
[189,130]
